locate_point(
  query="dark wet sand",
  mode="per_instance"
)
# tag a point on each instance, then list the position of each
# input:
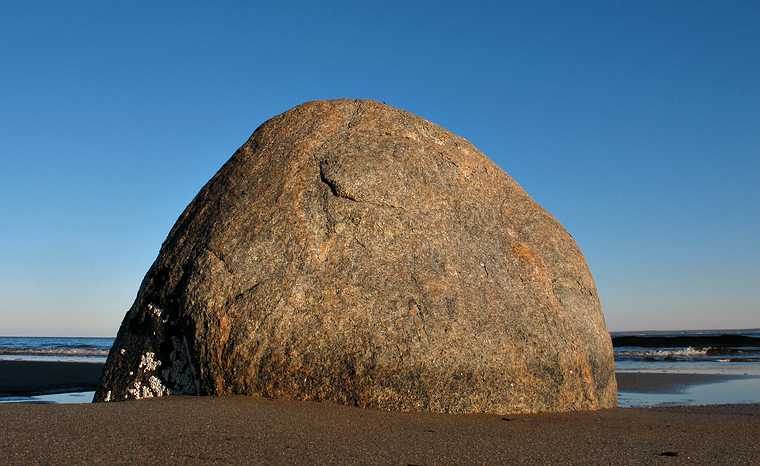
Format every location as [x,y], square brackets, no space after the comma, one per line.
[240,430]
[38,378]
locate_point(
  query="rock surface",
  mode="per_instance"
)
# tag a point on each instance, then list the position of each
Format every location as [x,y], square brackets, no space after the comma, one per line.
[356,253]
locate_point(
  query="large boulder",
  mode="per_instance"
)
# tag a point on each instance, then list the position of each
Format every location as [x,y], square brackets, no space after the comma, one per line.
[356,253]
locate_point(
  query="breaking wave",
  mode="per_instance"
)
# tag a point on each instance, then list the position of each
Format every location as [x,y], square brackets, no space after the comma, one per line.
[87,349]
[82,351]
[670,354]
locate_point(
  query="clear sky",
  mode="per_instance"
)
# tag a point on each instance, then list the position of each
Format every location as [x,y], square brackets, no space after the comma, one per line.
[636,123]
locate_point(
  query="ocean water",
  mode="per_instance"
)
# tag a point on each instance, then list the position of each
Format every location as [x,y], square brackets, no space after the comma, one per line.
[689,351]
[72,349]
[722,352]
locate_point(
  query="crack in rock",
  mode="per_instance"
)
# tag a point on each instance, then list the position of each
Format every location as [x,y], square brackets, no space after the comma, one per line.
[338,191]
[335,188]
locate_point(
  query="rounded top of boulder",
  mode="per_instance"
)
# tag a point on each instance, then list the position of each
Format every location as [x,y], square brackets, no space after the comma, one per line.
[356,253]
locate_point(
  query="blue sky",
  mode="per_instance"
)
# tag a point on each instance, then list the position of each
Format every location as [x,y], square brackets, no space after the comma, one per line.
[636,123]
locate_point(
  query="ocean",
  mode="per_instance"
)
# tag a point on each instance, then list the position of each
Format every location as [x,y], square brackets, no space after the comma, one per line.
[734,353]
[71,349]
[689,351]
[731,357]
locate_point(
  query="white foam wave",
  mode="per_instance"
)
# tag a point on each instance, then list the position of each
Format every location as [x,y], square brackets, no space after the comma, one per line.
[663,354]
[77,351]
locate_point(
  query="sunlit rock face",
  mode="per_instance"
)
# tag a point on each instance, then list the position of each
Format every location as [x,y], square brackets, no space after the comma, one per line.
[356,253]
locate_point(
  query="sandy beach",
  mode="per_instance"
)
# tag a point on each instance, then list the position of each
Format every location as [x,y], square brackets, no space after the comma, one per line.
[237,430]
[240,430]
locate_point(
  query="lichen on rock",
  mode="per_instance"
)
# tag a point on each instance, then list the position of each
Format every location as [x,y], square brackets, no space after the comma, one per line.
[147,363]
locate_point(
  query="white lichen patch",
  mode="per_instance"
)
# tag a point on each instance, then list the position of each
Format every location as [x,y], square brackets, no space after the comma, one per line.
[148,363]
[145,384]
[154,388]
[155,310]
[157,387]
[135,390]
